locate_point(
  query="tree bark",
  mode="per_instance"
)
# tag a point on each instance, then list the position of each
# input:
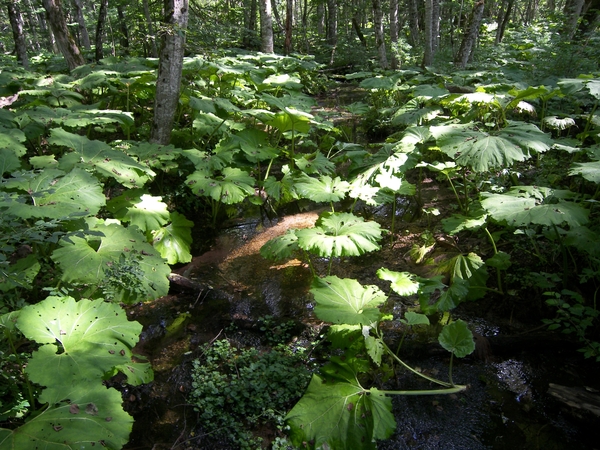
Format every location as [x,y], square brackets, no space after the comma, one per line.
[266,27]
[573,11]
[502,23]
[413,14]
[590,19]
[64,40]
[435,25]
[83,32]
[16,23]
[248,38]
[170,66]
[379,39]
[332,22]
[428,53]
[394,32]
[289,20]
[124,32]
[100,29]
[321,17]
[150,25]
[470,36]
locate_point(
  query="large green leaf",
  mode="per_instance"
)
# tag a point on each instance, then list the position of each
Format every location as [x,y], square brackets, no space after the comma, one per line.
[457,338]
[254,143]
[81,342]
[340,234]
[85,260]
[87,417]
[485,151]
[100,157]
[8,161]
[588,170]
[402,283]
[281,247]
[322,189]
[345,300]
[526,205]
[140,209]
[174,240]
[54,194]
[232,186]
[340,416]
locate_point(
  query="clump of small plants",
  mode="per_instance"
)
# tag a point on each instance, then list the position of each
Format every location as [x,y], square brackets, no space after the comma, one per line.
[236,389]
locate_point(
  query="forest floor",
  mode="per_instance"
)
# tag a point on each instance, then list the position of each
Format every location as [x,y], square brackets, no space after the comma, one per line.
[513,377]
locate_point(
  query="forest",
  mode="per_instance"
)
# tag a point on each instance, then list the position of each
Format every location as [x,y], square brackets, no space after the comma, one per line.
[299,224]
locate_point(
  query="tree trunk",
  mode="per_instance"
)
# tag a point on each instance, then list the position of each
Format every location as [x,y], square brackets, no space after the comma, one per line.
[379,39]
[123,29]
[332,22]
[16,23]
[266,27]
[435,25]
[573,11]
[248,39]
[413,14]
[150,25]
[590,19]
[83,32]
[169,70]
[64,40]
[428,53]
[394,32]
[100,29]
[289,20]
[470,37]
[321,17]
[504,22]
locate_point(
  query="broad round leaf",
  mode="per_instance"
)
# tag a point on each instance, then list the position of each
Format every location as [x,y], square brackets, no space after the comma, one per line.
[402,283]
[345,300]
[457,338]
[340,234]
[341,416]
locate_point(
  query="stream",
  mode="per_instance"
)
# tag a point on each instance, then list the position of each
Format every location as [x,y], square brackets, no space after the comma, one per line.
[515,380]
[527,388]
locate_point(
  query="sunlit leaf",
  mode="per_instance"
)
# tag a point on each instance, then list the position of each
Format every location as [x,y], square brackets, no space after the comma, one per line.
[345,300]
[340,234]
[174,240]
[322,189]
[231,187]
[402,283]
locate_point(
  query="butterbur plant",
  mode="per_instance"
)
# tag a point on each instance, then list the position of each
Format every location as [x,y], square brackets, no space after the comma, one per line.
[84,342]
[337,411]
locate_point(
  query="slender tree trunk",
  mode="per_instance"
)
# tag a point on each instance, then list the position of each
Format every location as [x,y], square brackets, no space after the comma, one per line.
[470,37]
[428,53]
[266,27]
[34,42]
[503,22]
[358,31]
[65,41]
[413,14]
[123,29]
[100,29]
[168,82]
[150,25]
[248,39]
[394,32]
[83,32]
[16,23]
[332,22]
[321,17]
[435,25]
[590,20]
[573,11]
[379,38]
[289,20]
